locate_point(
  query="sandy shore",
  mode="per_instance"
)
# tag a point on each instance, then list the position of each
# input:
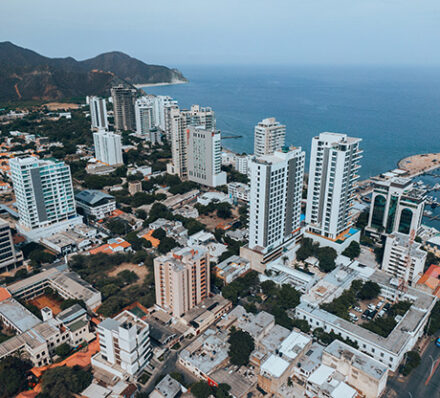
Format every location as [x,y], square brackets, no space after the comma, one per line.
[419,164]
[157,84]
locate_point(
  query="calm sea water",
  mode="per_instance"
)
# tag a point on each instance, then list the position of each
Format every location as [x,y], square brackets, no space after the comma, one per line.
[396,111]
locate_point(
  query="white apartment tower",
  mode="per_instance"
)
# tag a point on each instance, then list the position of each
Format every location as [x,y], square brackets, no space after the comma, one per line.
[204,157]
[179,144]
[44,194]
[275,198]
[334,165]
[143,110]
[403,258]
[98,113]
[124,343]
[108,148]
[199,116]
[269,137]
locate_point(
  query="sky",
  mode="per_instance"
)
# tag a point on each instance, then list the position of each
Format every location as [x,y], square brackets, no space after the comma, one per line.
[204,32]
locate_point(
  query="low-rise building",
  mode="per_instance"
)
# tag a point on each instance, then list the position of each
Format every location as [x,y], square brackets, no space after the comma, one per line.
[134,187]
[95,203]
[214,197]
[116,245]
[326,382]
[430,281]
[239,191]
[231,268]
[361,371]
[10,258]
[69,285]
[167,388]
[186,211]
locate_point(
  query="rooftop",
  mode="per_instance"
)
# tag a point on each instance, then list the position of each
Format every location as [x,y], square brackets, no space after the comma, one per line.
[92,197]
[274,366]
[168,387]
[18,315]
[357,359]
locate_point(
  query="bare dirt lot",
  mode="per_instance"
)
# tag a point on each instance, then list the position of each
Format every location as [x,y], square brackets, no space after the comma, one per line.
[420,163]
[141,272]
[55,106]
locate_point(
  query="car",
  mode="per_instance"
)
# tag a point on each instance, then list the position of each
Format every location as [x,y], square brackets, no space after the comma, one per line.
[387,306]
[381,313]
[437,342]
[379,305]
[371,307]
[353,317]
[373,314]
[358,309]
[366,314]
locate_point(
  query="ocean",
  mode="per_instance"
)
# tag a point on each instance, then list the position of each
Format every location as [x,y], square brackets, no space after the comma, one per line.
[395,110]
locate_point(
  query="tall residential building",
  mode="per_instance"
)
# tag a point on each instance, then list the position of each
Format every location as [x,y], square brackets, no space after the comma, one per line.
[144,115]
[275,198]
[170,110]
[269,137]
[124,343]
[334,165]
[403,258]
[396,206]
[199,116]
[108,147]
[204,157]
[182,279]
[98,113]
[9,257]
[159,103]
[123,107]
[44,194]
[178,123]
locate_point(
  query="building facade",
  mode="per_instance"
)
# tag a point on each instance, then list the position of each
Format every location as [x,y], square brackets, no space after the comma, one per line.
[44,193]
[144,116]
[123,107]
[108,147]
[124,343]
[95,203]
[275,198]
[98,113]
[182,279]
[9,257]
[403,258]
[334,165]
[204,157]
[269,136]
[396,206]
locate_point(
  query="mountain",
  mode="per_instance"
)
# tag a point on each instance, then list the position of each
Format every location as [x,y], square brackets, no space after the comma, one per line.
[27,75]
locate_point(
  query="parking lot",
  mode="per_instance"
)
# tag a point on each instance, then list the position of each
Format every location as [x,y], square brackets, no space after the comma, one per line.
[368,310]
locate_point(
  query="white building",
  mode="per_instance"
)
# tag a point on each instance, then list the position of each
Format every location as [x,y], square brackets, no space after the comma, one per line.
[108,148]
[10,258]
[160,103]
[396,206]
[199,116]
[204,157]
[95,203]
[45,199]
[98,113]
[403,258]
[334,164]
[143,110]
[242,163]
[269,137]
[125,347]
[275,198]
[239,191]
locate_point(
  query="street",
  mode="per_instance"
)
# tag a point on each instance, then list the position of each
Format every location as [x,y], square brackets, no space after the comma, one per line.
[420,383]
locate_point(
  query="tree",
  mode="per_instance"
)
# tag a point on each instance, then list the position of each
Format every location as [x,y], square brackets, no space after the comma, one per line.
[63,350]
[117,227]
[159,233]
[412,361]
[326,257]
[241,345]
[369,291]
[128,276]
[352,251]
[201,389]
[13,374]
[166,245]
[63,382]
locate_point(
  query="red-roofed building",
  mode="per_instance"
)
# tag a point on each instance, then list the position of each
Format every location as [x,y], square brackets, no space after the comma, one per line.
[430,281]
[117,245]
[4,294]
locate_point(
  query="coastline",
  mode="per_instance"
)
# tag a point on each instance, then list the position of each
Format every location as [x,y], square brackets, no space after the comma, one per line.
[141,85]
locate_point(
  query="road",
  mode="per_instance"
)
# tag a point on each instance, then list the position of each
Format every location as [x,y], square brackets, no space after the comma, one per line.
[419,384]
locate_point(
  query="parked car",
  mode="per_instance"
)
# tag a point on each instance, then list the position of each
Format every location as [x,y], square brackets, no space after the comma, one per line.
[366,314]
[387,306]
[381,313]
[358,309]
[371,307]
